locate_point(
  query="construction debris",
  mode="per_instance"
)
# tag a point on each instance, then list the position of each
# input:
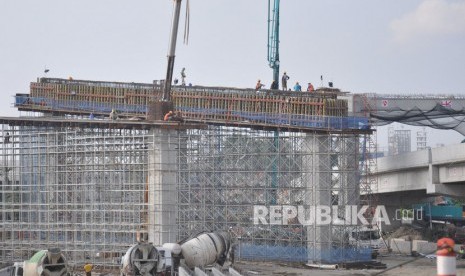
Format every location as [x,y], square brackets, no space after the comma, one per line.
[406,232]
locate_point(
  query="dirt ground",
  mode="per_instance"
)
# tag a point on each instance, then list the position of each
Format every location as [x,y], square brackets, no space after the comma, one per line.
[417,266]
[421,266]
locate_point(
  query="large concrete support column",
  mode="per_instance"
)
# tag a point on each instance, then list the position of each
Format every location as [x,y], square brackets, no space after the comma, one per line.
[317,164]
[348,170]
[162,195]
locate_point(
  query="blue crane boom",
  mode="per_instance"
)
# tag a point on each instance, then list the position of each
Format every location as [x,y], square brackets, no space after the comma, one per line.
[273,39]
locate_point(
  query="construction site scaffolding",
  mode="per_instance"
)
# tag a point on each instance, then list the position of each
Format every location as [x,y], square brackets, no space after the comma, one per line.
[87,190]
[92,187]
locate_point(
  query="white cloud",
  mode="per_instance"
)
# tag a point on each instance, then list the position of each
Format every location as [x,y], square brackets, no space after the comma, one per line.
[431,18]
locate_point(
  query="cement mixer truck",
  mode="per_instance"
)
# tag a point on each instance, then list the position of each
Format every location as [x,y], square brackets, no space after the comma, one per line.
[145,259]
[49,262]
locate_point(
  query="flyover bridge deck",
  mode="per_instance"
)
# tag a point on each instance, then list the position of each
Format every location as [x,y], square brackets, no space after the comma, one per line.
[320,110]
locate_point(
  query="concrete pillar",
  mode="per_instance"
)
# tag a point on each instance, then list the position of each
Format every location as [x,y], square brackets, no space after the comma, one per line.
[162,186]
[349,192]
[317,166]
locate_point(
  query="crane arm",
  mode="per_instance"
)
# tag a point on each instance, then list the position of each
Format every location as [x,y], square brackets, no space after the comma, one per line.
[171,51]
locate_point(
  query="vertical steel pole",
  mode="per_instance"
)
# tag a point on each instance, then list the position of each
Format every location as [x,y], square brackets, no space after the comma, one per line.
[171,51]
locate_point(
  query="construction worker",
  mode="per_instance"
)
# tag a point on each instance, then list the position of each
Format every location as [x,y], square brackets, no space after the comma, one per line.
[297,87]
[168,116]
[259,85]
[183,76]
[310,87]
[177,116]
[274,85]
[284,81]
[88,268]
[113,115]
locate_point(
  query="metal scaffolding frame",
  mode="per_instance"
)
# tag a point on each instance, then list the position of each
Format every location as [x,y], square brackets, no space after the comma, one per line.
[235,169]
[79,189]
[91,190]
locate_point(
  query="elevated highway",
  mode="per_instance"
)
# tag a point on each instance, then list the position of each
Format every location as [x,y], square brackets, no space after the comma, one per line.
[432,171]
[406,179]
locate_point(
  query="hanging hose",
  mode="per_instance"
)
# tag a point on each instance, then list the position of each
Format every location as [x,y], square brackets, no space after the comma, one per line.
[186,24]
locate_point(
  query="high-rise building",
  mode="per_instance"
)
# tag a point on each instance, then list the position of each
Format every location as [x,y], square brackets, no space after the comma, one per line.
[422,139]
[399,141]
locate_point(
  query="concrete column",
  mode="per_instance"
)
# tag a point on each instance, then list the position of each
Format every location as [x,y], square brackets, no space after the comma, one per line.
[162,186]
[317,164]
[349,192]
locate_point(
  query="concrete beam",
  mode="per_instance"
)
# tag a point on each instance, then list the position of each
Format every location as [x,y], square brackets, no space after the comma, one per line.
[401,162]
[414,179]
[401,246]
[448,155]
[434,185]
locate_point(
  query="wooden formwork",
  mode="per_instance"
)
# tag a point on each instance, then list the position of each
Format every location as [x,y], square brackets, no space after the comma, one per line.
[195,102]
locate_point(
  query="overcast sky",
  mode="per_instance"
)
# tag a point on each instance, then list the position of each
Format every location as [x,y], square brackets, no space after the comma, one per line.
[382,46]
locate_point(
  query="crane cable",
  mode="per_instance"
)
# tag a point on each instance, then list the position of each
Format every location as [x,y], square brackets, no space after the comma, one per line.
[186,24]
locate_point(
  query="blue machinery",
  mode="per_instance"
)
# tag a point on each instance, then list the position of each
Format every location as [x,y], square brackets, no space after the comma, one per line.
[273,39]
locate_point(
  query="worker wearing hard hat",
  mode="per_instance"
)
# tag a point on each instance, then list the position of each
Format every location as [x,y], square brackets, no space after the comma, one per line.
[88,268]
